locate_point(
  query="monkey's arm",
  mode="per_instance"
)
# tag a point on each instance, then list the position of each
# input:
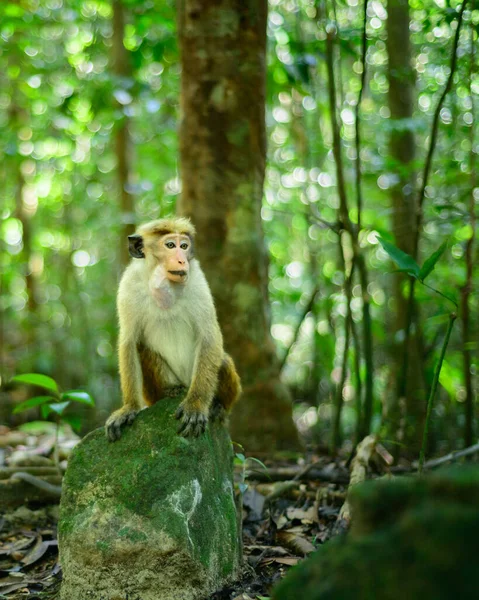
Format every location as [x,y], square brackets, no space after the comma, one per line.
[130,373]
[194,409]
[228,391]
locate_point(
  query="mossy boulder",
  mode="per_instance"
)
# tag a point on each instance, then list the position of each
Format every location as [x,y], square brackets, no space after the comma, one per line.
[151,516]
[411,538]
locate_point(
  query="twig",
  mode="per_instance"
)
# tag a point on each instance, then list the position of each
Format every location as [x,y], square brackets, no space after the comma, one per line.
[422,194]
[41,484]
[437,462]
[364,47]
[338,404]
[434,129]
[452,456]
[304,314]
[353,232]
[311,473]
[468,284]
[452,318]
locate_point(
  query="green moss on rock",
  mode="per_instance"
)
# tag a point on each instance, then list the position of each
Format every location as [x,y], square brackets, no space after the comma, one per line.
[411,538]
[151,516]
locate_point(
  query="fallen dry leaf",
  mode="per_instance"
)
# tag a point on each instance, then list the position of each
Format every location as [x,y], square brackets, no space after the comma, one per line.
[295,543]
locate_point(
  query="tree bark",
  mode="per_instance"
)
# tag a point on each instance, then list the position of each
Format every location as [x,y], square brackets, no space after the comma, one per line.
[223,150]
[406,408]
[122,72]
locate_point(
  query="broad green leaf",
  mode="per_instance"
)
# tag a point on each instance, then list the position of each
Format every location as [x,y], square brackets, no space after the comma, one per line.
[37,379]
[404,261]
[240,457]
[430,262]
[78,396]
[32,402]
[45,410]
[74,421]
[59,407]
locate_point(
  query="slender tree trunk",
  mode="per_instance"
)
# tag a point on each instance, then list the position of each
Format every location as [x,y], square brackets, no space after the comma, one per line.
[404,409]
[222,146]
[122,71]
[468,324]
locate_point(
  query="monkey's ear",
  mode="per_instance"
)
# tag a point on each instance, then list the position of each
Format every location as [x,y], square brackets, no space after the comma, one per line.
[135,246]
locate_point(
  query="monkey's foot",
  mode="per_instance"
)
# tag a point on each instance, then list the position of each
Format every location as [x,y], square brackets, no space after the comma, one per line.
[117,420]
[174,391]
[218,412]
[193,423]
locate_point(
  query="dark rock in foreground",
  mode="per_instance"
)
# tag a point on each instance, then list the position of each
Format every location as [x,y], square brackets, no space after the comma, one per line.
[414,539]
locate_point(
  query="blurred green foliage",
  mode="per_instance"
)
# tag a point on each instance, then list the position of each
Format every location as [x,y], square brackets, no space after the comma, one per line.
[60,219]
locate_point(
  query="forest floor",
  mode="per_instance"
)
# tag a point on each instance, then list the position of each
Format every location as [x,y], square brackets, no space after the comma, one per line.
[289,508]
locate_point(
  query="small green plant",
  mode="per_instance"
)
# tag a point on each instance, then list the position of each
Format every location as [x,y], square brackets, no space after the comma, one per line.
[52,404]
[243,461]
[407,264]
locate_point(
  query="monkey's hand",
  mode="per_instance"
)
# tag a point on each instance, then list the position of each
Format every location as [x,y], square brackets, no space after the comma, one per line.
[117,420]
[218,412]
[193,421]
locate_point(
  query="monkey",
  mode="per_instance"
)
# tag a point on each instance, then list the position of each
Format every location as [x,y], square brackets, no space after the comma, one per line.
[170,340]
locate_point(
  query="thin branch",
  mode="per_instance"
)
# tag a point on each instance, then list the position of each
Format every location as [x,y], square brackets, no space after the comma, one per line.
[307,309]
[338,402]
[421,198]
[364,48]
[452,456]
[435,383]
[338,158]
[434,129]
[468,284]
[353,232]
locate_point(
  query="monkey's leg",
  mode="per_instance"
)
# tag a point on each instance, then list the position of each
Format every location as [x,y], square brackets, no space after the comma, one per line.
[228,392]
[156,377]
[193,411]
[130,376]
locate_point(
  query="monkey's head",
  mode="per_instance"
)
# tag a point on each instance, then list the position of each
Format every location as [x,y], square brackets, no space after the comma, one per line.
[167,246]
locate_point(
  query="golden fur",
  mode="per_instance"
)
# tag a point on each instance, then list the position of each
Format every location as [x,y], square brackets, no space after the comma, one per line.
[170,337]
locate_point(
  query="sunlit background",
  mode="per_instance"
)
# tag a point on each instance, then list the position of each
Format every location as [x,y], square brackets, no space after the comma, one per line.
[60,104]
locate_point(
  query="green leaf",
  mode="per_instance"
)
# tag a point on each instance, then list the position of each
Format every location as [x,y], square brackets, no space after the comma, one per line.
[36,379]
[430,262]
[78,396]
[404,261]
[59,407]
[32,402]
[257,461]
[74,421]
[241,457]
[56,407]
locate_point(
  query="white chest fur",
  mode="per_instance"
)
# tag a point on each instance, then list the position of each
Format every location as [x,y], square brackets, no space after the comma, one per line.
[175,341]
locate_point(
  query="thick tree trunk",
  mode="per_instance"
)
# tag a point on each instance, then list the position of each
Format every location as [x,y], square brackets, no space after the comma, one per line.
[222,145]
[406,408]
[122,71]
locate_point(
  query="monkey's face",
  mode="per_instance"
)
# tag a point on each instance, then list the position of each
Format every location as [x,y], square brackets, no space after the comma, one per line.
[173,251]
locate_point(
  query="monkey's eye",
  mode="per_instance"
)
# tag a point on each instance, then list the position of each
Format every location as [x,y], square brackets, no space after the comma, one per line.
[170,245]
[184,246]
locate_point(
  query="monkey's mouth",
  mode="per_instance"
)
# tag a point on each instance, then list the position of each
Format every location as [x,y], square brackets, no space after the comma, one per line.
[178,273]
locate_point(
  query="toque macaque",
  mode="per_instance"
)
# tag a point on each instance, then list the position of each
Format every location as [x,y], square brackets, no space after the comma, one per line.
[169,333]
